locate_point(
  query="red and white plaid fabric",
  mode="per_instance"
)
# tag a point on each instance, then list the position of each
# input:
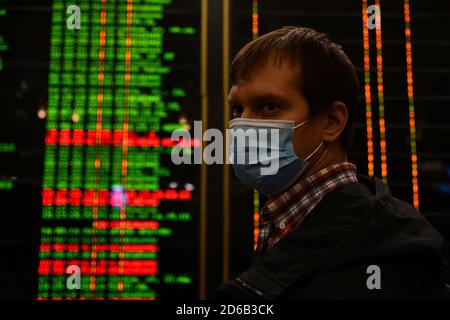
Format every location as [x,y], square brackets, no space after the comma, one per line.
[285,212]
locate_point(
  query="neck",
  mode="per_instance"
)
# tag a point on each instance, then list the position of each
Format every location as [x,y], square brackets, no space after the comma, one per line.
[328,155]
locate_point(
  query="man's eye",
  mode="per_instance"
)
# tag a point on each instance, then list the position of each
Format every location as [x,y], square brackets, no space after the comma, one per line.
[270,108]
[237,112]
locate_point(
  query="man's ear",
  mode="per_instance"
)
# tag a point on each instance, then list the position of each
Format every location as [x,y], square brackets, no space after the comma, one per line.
[336,119]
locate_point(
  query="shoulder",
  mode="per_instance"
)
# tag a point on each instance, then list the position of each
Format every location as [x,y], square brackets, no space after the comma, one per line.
[380,280]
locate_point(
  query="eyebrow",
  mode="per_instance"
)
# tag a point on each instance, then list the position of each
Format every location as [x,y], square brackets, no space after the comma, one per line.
[268,97]
[258,99]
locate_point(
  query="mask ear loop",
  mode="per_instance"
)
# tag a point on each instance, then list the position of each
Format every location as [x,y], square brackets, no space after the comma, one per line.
[300,124]
[317,149]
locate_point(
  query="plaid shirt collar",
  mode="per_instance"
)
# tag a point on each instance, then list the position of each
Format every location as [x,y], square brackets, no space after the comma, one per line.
[284,213]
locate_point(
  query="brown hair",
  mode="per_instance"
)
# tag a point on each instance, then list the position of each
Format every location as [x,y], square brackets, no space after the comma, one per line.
[326,73]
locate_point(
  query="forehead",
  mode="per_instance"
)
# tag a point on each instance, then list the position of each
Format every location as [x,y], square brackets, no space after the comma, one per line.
[271,74]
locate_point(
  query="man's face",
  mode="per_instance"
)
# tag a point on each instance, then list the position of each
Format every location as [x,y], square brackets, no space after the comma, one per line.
[272,92]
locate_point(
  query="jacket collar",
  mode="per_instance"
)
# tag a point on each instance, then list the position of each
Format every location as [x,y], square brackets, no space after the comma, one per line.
[304,253]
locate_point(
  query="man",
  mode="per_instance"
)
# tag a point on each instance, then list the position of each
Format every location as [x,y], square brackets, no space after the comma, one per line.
[326,232]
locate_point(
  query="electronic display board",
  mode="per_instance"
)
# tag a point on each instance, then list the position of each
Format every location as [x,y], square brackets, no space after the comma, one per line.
[114,209]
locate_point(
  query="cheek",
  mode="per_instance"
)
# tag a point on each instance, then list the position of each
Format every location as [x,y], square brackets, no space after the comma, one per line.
[305,141]
[301,143]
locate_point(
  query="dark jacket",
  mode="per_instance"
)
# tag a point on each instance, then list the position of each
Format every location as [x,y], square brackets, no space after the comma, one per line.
[354,226]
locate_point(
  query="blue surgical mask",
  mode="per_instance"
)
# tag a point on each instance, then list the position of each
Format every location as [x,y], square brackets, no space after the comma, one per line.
[262,153]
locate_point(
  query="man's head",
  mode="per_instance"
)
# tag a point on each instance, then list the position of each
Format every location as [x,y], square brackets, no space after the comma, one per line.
[298,74]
